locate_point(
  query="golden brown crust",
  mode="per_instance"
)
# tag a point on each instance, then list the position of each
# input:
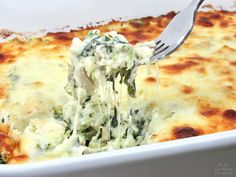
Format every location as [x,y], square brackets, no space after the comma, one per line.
[9,147]
[185,132]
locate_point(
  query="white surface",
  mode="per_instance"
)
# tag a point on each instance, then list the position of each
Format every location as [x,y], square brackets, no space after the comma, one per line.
[31,16]
[204,156]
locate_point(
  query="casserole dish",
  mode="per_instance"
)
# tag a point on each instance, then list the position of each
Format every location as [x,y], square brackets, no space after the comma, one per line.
[139,162]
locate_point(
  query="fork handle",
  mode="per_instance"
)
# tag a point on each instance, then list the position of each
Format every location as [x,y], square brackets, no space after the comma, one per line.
[195,4]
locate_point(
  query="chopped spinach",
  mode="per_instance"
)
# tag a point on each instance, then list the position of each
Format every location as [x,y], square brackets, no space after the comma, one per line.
[2,120]
[88,98]
[14,77]
[89,48]
[125,75]
[126,133]
[3,158]
[95,40]
[114,121]
[47,147]
[88,133]
[38,147]
[131,89]
[68,130]
[58,114]
[140,124]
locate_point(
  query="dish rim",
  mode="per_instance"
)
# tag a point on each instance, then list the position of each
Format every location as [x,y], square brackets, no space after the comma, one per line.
[127,155]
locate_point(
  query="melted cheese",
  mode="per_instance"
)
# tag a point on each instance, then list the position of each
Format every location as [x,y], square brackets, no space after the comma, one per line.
[32,92]
[99,65]
[42,135]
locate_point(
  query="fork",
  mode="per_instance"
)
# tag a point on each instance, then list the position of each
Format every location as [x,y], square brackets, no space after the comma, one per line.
[176,31]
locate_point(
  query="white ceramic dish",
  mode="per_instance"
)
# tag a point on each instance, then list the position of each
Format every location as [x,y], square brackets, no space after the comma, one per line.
[204,156]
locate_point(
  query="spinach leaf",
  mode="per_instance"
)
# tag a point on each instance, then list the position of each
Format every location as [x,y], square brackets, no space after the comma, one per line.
[58,114]
[125,75]
[114,121]
[88,133]
[3,158]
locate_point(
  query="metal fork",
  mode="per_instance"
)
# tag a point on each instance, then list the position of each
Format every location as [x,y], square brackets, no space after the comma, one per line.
[177,31]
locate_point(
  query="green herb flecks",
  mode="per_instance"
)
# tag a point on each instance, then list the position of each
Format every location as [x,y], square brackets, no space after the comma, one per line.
[46,147]
[58,114]
[94,39]
[114,121]
[89,133]
[3,158]
[131,87]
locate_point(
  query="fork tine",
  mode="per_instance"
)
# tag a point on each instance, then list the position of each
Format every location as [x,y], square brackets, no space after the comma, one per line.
[159,47]
[176,31]
[158,42]
[162,50]
[160,55]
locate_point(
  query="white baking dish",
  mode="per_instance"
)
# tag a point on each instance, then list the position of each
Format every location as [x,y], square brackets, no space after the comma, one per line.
[204,156]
